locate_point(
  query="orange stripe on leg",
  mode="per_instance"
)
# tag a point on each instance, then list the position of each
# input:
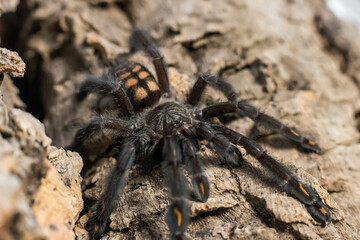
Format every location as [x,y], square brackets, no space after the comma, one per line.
[96,228]
[293,132]
[311,142]
[322,210]
[178,214]
[304,191]
[202,189]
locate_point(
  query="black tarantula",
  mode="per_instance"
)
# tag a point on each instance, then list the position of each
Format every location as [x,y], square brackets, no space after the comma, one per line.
[171,131]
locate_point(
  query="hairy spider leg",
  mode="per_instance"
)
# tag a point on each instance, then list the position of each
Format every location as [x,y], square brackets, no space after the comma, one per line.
[98,223]
[284,176]
[140,39]
[86,138]
[107,85]
[221,143]
[215,82]
[199,180]
[190,146]
[178,213]
[261,118]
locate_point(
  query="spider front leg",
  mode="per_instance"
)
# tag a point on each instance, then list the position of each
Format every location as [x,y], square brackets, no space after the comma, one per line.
[284,176]
[107,85]
[190,146]
[260,118]
[178,212]
[221,144]
[215,82]
[98,223]
[88,139]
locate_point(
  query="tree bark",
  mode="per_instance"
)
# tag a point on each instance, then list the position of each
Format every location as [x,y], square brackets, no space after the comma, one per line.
[292,59]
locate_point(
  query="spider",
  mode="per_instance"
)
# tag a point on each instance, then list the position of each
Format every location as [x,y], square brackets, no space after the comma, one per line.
[170,132]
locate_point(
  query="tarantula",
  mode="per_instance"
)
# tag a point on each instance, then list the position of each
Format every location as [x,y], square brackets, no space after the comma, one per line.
[171,131]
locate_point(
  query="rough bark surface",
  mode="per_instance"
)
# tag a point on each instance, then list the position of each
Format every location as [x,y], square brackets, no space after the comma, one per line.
[36,202]
[292,59]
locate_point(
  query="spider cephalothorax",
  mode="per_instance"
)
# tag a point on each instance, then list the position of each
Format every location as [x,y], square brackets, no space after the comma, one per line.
[170,132]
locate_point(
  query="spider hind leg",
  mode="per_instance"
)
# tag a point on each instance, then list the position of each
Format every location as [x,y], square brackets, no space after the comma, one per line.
[209,79]
[190,147]
[221,144]
[284,177]
[261,118]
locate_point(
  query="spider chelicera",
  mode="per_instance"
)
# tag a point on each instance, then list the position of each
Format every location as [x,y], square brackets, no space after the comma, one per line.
[170,132]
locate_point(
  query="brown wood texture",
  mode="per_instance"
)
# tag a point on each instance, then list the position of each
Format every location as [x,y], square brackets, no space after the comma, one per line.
[292,59]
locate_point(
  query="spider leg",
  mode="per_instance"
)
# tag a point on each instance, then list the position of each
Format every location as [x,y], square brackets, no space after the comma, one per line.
[86,138]
[178,212]
[190,146]
[106,85]
[199,180]
[140,39]
[98,223]
[222,144]
[215,82]
[284,176]
[260,118]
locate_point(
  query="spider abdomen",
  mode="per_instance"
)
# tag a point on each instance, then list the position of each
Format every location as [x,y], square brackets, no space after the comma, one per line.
[141,87]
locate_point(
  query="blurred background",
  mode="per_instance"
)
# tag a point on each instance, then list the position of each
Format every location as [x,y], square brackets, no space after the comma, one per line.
[348,10]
